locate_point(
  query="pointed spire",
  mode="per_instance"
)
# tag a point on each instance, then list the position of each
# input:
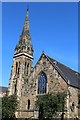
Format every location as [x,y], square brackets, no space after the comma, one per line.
[26,23]
[24,43]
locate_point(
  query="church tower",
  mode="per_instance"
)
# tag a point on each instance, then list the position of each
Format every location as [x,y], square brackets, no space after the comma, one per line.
[22,62]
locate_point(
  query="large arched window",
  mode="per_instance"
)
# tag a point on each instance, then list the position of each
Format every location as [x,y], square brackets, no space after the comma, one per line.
[42,80]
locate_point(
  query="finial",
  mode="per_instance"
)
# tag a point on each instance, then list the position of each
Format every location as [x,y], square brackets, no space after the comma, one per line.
[43,51]
[27,7]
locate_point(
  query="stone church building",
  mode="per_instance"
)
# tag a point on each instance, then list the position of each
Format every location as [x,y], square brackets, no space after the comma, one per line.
[47,76]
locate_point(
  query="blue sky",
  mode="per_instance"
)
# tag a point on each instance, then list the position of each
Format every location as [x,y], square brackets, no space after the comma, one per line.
[53,28]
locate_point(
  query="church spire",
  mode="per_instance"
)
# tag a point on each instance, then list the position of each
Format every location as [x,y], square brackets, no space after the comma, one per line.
[24,44]
[26,23]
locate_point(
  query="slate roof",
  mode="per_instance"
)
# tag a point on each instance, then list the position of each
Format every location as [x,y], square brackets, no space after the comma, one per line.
[3,89]
[70,76]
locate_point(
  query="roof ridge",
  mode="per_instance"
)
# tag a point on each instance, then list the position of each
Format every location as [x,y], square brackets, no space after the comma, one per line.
[59,70]
[64,65]
[67,73]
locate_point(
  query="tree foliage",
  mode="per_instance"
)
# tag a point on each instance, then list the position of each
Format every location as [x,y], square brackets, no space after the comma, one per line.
[9,105]
[50,104]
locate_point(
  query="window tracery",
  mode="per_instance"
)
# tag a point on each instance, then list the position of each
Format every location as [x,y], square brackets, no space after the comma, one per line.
[42,80]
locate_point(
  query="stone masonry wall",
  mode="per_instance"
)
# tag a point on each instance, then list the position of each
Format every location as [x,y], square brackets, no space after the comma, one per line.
[55,83]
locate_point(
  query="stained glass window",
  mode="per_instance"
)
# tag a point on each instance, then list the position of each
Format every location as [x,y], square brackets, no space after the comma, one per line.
[42,80]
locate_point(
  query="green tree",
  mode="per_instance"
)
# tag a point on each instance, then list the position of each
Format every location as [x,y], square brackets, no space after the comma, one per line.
[50,104]
[9,106]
